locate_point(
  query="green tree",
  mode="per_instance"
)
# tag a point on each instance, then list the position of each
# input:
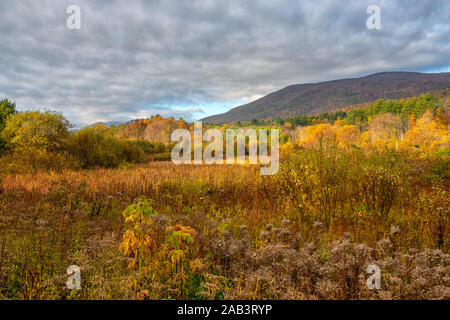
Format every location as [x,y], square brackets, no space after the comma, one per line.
[28,130]
[7,108]
[37,139]
[92,147]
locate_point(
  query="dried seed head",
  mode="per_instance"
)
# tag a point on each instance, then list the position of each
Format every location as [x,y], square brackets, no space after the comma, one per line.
[284,234]
[347,235]
[264,235]
[277,231]
[226,234]
[42,222]
[394,230]
[317,225]
[286,223]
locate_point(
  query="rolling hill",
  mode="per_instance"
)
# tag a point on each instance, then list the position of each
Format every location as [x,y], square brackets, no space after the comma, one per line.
[313,98]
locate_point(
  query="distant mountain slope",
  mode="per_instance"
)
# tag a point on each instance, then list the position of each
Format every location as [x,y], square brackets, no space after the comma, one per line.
[331,95]
[108,124]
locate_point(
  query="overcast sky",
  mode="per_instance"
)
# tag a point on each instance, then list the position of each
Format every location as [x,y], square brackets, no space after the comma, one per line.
[133,59]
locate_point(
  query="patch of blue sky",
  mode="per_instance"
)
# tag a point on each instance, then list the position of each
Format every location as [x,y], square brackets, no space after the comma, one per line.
[437,69]
[195,110]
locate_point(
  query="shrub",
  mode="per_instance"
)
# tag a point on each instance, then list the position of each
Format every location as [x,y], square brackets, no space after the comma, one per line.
[93,148]
[36,140]
[7,108]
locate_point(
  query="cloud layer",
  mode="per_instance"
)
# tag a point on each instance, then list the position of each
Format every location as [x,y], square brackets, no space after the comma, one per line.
[194,58]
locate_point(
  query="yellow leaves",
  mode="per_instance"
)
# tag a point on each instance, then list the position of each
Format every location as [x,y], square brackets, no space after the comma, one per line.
[358,214]
[142,294]
[384,132]
[34,130]
[364,139]
[387,131]
[324,135]
[347,136]
[426,136]
[176,256]
[338,123]
[136,240]
[196,265]
[128,244]
[167,259]
[287,148]
[179,238]
[181,230]
[147,241]
[132,265]
[179,241]
[318,135]
[180,276]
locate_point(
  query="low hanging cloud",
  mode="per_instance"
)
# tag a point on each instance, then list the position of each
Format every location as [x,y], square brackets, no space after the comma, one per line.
[137,58]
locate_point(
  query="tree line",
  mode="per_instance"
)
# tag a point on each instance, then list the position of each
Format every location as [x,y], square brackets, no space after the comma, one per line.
[33,140]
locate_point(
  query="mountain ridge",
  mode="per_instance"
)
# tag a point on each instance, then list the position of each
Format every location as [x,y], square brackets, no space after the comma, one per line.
[328,96]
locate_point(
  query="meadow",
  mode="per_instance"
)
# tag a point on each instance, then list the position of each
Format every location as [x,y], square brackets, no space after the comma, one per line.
[161,231]
[358,188]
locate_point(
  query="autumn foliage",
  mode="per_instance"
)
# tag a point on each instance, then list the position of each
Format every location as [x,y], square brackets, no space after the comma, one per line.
[371,187]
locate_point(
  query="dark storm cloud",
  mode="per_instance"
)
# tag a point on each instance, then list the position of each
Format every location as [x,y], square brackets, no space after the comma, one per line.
[137,58]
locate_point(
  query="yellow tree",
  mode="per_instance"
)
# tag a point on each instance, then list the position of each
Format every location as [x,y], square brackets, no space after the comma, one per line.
[384,131]
[427,136]
[385,125]
[319,135]
[347,136]
[38,139]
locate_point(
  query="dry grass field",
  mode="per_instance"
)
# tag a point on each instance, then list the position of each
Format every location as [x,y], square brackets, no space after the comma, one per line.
[161,231]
